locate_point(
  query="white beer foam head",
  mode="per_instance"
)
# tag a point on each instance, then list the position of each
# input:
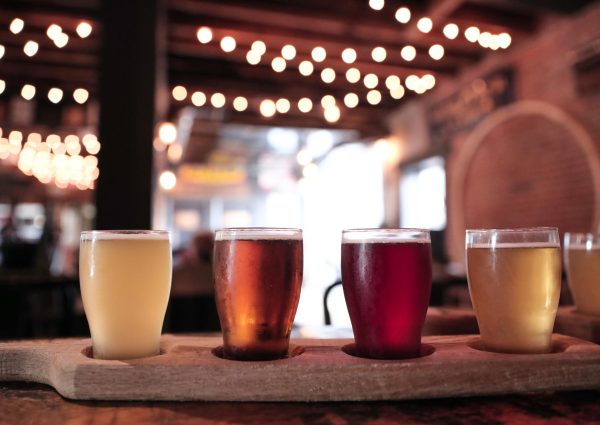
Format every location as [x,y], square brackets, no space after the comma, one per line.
[502,245]
[258,233]
[386,236]
[145,235]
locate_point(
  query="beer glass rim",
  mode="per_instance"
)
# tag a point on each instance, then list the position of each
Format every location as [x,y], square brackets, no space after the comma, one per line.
[230,233]
[523,236]
[126,234]
[389,235]
[586,240]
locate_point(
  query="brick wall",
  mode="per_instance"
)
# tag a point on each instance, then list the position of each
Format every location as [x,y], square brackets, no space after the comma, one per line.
[537,162]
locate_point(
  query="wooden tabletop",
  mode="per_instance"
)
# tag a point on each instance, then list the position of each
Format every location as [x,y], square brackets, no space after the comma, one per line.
[39,404]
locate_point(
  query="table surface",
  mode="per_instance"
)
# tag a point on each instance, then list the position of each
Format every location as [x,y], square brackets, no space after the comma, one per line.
[25,403]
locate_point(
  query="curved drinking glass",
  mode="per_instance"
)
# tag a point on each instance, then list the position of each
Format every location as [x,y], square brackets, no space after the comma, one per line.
[514,280]
[258,275]
[386,276]
[125,279]
[582,260]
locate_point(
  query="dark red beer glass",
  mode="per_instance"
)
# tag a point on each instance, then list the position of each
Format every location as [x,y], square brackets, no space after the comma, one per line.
[386,275]
[258,275]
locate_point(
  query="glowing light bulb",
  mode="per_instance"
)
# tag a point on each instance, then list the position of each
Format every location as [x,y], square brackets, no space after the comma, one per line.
[306,68]
[55,95]
[267,108]
[349,55]
[331,114]
[174,153]
[84,29]
[408,53]
[16,25]
[485,39]
[305,105]
[451,31]
[288,52]
[374,97]
[2,86]
[28,91]
[2,51]
[376,4]
[397,93]
[424,25]
[412,82]
[167,133]
[240,103]
[318,54]
[53,31]
[328,75]
[31,48]
[353,75]
[472,34]
[428,81]
[351,100]
[303,157]
[327,101]
[198,98]
[228,44]
[378,54]
[259,47]
[392,82]
[217,100]
[504,40]
[278,64]
[403,15]
[204,35]
[61,40]
[179,93]
[282,105]
[167,180]
[370,81]
[436,52]
[252,57]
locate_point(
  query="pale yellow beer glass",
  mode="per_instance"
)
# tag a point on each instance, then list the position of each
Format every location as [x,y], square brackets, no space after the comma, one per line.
[514,280]
[125,279]
[582,260]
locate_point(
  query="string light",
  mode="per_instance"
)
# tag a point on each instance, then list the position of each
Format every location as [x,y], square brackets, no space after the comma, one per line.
[167,180]
[204,35]
[253,57]
[370,81]
[28,91]
[403,15]
[61,40]
[428,81]
[376,4]
[228,44]
[424,25]
[55,95]
[53,31]
[259,47]
[267,108]
[351,100]
[397,93]
[16,26]
[179,93]
[198,98]
[451,31]
[278,64]
[332,115]
[167,133]
[353,75]
[217,100]
[288,52]
[81,96]
[436,52]
[2,50]
[392,82]
[349,55]
[408,53]
[31,48]
[240,103]
[84,29]
[485,39]
[411,82]
[327,101]
[472,34]
[374,97]
[378,54]
[306,68]
[305,105]
[303,157]
[174,153]
[282,106]
[328,75]
[2,86]
[318,54]
[504,40]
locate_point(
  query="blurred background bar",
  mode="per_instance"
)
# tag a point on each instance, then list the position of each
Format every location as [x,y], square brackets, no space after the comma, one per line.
[193,115]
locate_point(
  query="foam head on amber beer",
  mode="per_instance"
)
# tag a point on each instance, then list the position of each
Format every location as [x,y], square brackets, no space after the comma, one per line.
[582,260]
[514,282]
[386,276]
[258,275]
[125,279]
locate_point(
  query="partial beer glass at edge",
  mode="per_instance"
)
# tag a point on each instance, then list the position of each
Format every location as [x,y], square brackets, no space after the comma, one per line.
[514,280]
[582,261]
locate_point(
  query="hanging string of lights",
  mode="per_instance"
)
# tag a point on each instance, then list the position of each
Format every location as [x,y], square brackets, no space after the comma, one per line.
[55,160]
[54,94]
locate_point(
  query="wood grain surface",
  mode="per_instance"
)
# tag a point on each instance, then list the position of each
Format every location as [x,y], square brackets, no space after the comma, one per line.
[579,325]
[450,321]
[188,370]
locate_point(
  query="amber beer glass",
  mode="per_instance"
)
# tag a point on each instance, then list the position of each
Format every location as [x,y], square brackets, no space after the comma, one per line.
[125,279]
[386,276]
[258,275]
[514,279]
[582,260]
